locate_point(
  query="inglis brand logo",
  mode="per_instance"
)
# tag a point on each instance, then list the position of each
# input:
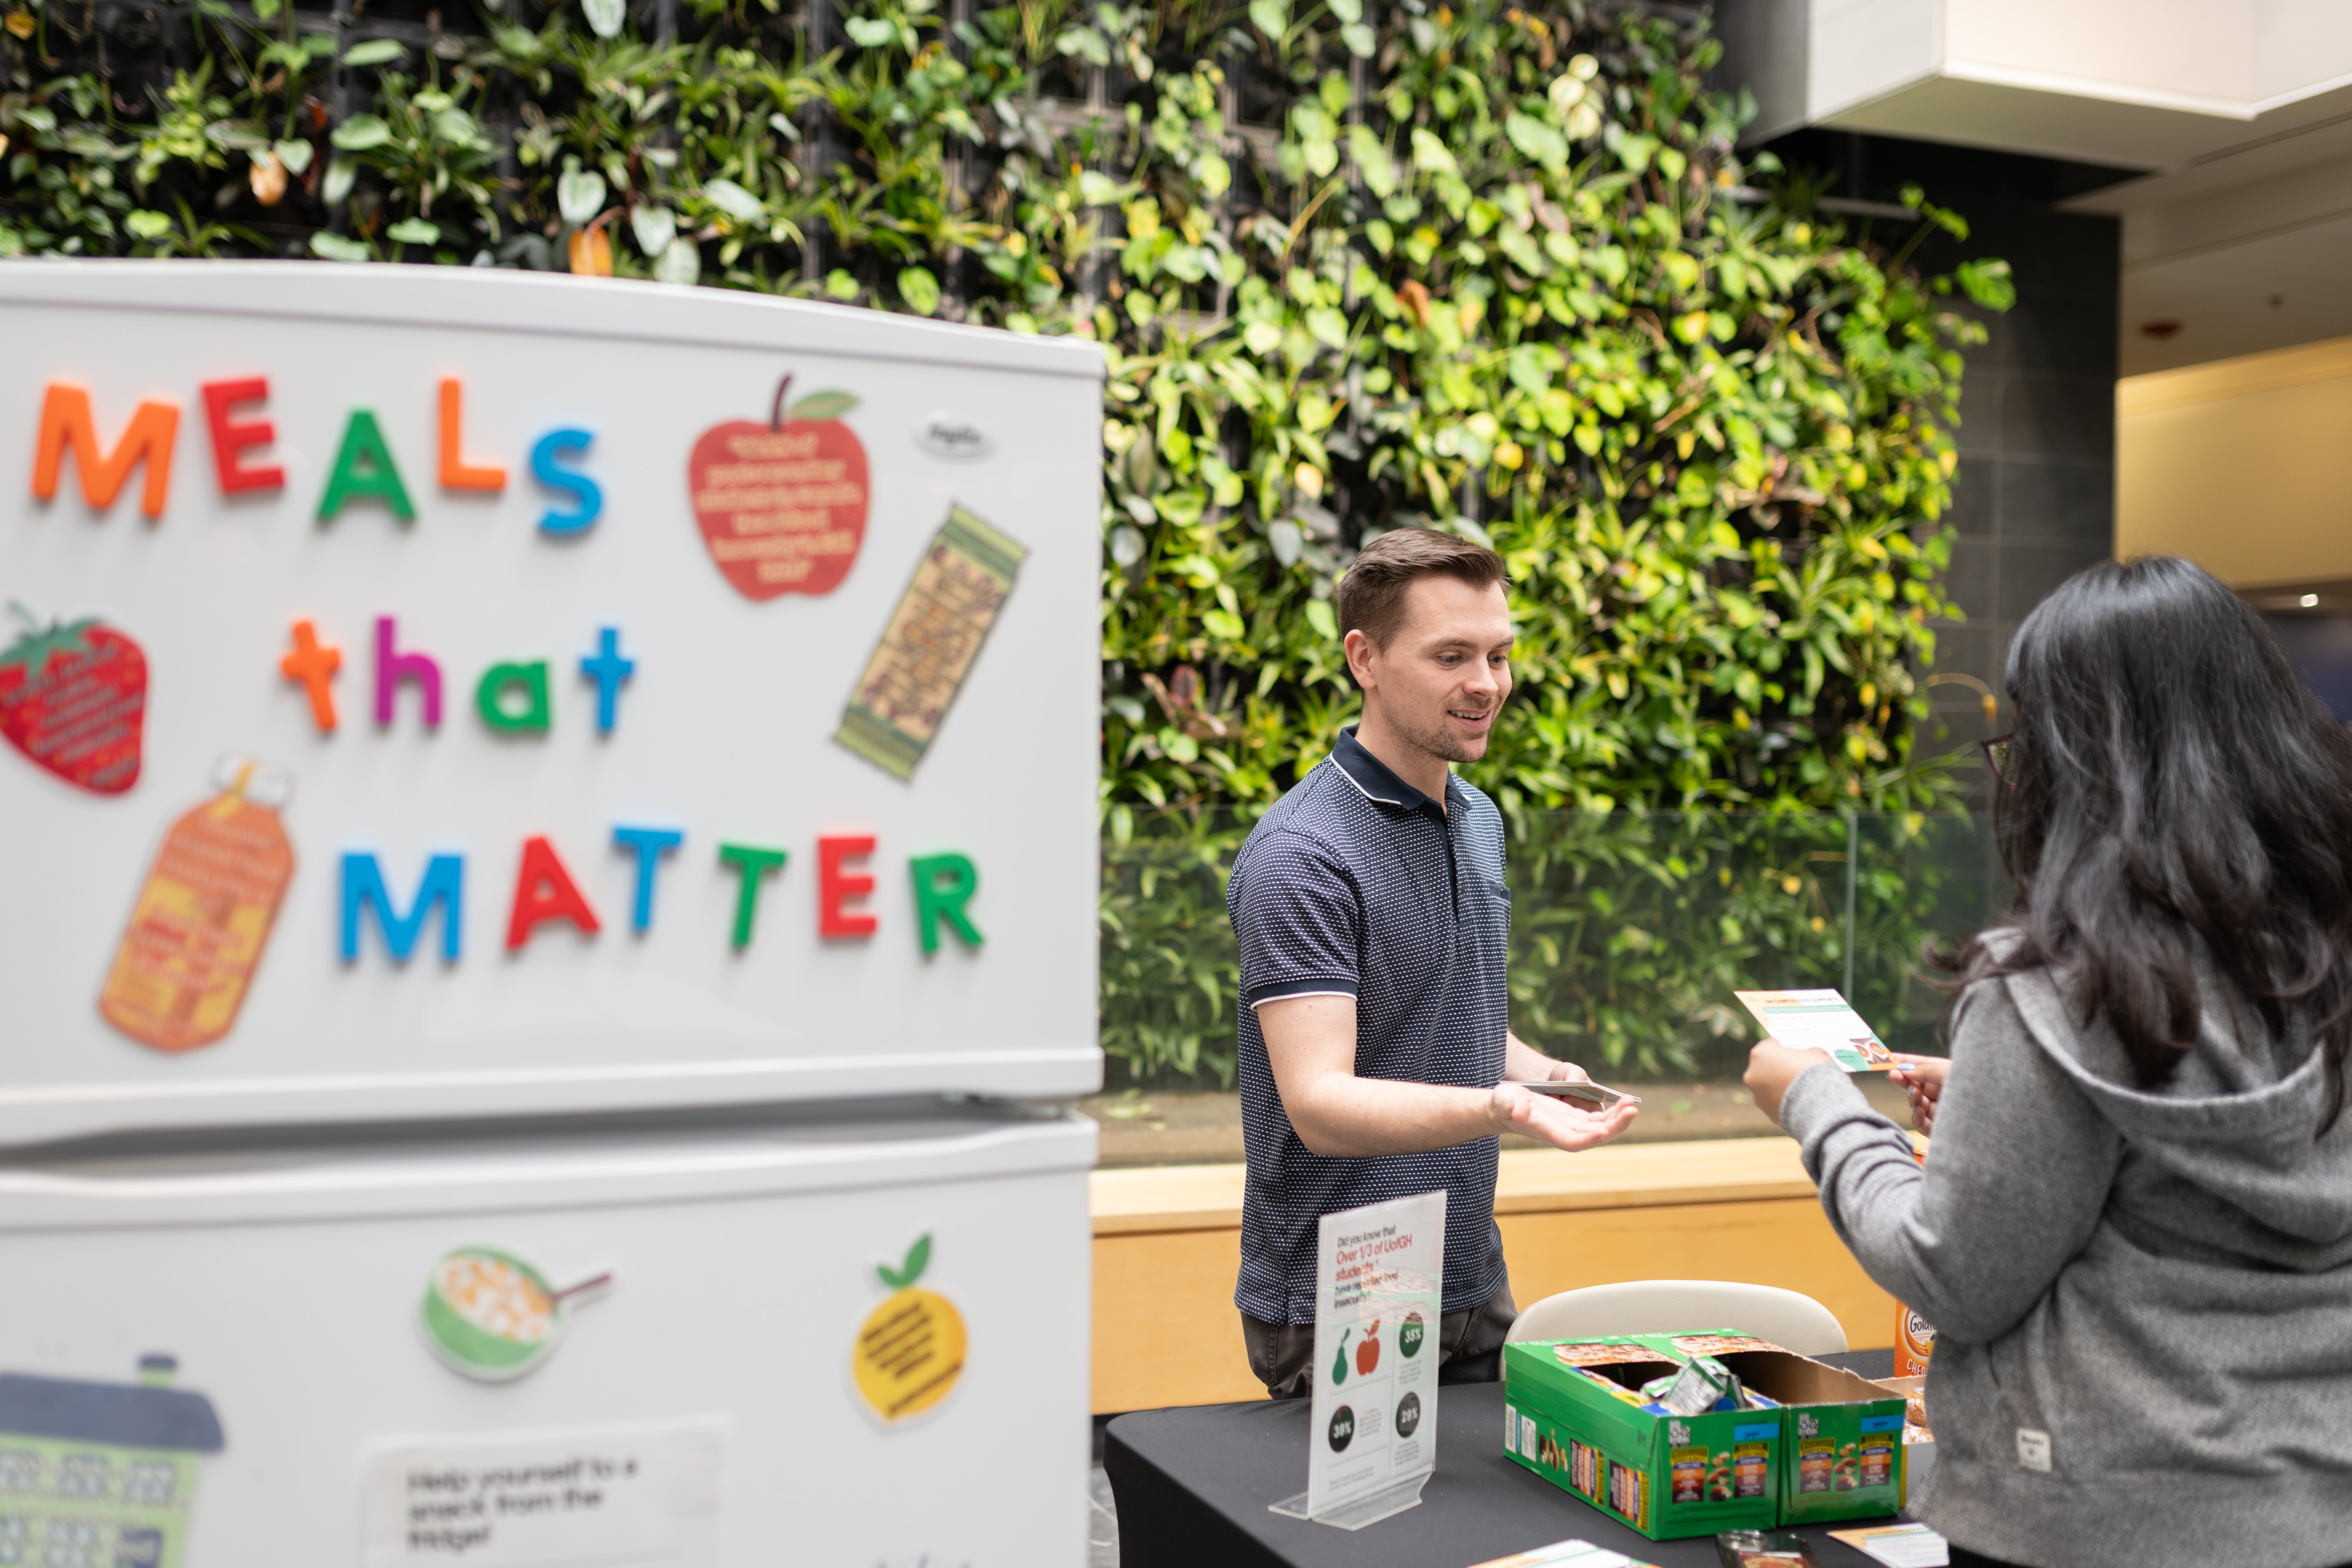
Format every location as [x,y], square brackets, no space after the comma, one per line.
[952,436]
[1808,1425]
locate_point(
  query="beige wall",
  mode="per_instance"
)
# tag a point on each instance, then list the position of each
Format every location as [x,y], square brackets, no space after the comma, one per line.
[1168,1244]
[2240,465]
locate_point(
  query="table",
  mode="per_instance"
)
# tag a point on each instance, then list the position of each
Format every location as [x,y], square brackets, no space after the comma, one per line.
[1194,1486]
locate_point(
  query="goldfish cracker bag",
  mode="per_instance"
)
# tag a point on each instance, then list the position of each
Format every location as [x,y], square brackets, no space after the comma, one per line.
[197,932]
[1915,1337]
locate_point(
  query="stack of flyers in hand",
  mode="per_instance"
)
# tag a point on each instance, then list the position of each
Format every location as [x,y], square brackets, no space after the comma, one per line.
[1820,1021]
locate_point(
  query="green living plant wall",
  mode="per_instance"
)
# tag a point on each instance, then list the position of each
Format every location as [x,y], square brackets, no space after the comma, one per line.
[1357,267]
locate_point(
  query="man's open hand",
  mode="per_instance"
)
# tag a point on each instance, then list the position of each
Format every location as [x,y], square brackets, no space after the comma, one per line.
[1562,1123]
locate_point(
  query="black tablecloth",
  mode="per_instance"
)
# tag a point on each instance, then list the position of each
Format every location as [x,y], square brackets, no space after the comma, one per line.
[1193,1487]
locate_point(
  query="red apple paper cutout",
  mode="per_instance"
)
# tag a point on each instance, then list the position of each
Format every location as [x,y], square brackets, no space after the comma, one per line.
[1367,1349]
[782,505]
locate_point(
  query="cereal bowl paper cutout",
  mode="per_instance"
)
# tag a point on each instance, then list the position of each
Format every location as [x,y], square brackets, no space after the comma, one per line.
[782,505]
[493,1317]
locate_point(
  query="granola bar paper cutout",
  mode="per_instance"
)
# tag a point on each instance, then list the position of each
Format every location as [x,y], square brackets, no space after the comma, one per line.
[929,645]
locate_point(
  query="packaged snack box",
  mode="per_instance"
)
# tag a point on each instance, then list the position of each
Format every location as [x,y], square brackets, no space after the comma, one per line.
[1575,1413]
[1827,1444]
[1842,1434]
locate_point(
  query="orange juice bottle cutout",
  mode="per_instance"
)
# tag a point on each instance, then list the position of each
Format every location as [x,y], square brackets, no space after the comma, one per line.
[1915,1337]
[197,935]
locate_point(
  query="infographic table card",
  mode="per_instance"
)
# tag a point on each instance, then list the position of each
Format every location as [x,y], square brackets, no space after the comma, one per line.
[1379,1289]
[1823,1022]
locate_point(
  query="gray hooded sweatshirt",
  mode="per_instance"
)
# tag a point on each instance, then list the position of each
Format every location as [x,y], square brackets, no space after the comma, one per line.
[2142,1299]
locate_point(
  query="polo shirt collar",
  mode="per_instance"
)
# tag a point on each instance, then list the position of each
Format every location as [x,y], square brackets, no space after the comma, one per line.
[1373,778]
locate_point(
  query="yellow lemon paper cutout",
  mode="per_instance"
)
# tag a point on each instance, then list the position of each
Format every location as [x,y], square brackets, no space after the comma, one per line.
[909,1351]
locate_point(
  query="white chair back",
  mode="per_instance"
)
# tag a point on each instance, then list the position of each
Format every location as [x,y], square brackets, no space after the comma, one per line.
[1789,1320]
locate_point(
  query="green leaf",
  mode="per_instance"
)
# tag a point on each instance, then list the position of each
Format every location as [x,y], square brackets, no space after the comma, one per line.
[920,289]
[148,224]
[818,407]
[374,52]
[729,198]
[580,195]
[359,133]
[1271,18]
[337,247]
[1097,190]
[414,231]
[1539,142]
[1988,282]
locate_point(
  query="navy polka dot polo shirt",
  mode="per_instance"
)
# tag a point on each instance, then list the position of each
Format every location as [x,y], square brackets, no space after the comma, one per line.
[1358,885]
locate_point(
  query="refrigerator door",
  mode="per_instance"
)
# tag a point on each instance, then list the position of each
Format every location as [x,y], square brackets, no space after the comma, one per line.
[456,734]
[852,1344]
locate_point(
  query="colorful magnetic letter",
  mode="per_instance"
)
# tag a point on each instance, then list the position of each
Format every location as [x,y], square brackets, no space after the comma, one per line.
[230,438]
[489,697]
[314,664]
[589,500]
[834,888]
[544,890]
[66,422]
[944,883]
[444,883]
[392,668]
[364,467]
[751,864]
[456,474]
[608,670]
[650,844]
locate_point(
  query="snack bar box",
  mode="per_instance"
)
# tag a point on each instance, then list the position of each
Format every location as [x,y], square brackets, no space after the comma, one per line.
[1832,1449]
[717,1346]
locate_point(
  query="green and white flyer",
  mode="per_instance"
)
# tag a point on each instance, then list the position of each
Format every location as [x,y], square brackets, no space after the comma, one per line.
[1379,1289]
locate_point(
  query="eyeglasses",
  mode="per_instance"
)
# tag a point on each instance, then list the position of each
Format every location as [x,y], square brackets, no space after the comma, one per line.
[2000,755]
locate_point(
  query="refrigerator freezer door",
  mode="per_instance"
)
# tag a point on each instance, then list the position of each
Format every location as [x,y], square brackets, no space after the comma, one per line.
[607,819]
[852,1345]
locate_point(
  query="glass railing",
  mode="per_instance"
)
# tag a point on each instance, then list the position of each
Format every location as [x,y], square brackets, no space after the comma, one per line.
[1630,932]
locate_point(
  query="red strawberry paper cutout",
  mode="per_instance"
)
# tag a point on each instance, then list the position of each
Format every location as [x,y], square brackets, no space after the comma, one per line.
[73,699]
[782,505]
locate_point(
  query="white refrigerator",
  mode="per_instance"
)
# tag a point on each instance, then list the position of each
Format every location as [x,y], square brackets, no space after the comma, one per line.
[552,832]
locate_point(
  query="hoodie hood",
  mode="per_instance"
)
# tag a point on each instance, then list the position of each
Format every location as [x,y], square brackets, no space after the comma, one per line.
[2239,1122]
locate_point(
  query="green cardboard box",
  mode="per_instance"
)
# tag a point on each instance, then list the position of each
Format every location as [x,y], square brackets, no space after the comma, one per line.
[1842,1434]
[1832,1449]
[1573,1412]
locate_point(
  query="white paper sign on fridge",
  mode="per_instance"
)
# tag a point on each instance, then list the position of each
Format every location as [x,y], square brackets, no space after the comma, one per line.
[612,1497]
[1380,1287]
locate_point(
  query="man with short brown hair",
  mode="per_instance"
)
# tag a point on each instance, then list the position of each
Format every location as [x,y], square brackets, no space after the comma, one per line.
[1376,1056]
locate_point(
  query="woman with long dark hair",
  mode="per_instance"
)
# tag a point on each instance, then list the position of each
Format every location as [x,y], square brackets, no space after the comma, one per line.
[2134,1235]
